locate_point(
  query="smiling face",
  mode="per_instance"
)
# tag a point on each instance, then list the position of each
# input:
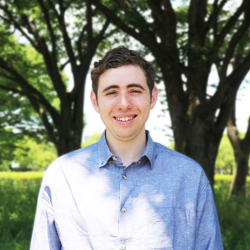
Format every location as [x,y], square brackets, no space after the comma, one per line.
[124,102]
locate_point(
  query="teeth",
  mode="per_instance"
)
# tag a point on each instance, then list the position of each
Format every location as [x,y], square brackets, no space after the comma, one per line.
[124,118]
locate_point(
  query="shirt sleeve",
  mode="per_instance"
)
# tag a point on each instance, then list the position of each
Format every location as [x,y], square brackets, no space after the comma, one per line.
[45,236]
[208,236]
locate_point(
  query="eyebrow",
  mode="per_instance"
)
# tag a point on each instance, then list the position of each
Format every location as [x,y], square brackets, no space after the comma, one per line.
[117,87]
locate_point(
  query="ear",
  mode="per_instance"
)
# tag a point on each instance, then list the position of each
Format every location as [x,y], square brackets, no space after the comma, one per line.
[94,101]
[154,97]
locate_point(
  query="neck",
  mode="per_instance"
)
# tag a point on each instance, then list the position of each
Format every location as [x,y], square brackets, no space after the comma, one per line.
[128,151]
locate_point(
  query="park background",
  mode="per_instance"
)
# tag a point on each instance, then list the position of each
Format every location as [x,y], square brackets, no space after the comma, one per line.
[27,145]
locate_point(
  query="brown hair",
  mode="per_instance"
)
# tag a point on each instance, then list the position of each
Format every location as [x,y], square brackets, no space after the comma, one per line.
[121,56]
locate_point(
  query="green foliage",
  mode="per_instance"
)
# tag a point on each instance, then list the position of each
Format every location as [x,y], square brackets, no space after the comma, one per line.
[18,192]
[225,158]
[7,145]
[33,155]
[225,161]
[16,112]
[92,139]
[29,153]
[234,214]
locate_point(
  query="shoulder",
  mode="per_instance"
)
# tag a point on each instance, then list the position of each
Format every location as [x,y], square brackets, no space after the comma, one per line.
[177,163]
[171,155]
[71,162]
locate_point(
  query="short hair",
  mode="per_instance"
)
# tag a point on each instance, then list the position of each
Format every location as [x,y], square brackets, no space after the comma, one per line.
[118,57]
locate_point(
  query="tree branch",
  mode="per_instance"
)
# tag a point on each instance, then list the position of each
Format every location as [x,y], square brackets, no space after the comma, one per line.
[11,89]
[79,42]
[46,123]
[232,130]
[146,38]
[30,91]
[214,16]
[231,82]
[196,19]
[89,26]
[88,57]
[234,42]
[18,27]
[229,25]
[55,11]
[64,65]
[246,140]
[8,77]
[51,32]
[164,16]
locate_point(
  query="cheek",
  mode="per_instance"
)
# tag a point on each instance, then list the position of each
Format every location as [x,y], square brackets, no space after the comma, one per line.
[106,107]
[143,105]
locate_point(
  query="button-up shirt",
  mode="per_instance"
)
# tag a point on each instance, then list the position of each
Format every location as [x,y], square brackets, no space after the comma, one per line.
[90,200]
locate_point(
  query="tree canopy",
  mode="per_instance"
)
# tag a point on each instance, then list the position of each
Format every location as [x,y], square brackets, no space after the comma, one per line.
[38,40]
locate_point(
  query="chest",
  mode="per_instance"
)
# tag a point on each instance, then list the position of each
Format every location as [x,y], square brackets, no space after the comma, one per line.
[135,208]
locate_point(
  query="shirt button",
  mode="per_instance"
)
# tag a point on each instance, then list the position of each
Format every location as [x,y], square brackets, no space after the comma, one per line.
[114,158]
[124,210]
[124,177]
[110,162]
[123,247]
[139,162]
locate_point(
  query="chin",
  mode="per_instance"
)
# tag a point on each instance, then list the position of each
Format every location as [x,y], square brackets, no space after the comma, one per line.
[126,136]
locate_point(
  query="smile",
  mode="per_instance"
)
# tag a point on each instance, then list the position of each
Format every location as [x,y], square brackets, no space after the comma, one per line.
[124,119]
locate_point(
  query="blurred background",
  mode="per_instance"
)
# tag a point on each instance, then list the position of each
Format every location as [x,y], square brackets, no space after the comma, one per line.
[201,50]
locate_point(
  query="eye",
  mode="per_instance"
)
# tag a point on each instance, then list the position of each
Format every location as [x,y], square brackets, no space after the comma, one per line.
[135,91]
[111,93]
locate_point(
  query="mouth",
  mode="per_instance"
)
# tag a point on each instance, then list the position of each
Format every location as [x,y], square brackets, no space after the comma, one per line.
[125,118]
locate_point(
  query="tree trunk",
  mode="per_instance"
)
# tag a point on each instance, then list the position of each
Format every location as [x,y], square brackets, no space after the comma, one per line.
[241,149]
[202,146]
[238,183]
[71,126]
[196,133]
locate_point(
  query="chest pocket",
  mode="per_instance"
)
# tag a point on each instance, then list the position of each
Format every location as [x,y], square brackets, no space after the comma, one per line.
[168,229]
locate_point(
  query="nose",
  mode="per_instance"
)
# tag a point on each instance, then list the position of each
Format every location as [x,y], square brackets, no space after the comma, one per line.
[124,102]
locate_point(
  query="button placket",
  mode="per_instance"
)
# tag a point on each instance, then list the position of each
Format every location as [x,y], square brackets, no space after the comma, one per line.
[125,190]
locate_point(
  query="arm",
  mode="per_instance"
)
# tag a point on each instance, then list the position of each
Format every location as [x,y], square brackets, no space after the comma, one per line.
[44,236]
[208,236]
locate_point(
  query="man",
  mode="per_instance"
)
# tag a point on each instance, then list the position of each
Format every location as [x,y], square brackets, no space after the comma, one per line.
[125,192]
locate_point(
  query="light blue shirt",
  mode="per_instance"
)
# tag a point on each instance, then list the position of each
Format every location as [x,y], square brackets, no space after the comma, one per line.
[89,200]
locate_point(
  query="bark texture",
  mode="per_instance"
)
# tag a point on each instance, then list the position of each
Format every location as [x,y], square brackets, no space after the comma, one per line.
[241,154]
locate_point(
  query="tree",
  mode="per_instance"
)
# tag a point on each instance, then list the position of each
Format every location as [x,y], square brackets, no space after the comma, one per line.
[225,159]
[33,155]
[48,36]
[241,148]
[186,42]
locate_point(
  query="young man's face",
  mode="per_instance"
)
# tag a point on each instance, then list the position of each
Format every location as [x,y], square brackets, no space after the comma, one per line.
[124,101]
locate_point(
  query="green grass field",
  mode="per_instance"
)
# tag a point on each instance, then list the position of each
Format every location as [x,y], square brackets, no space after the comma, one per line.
[18,195]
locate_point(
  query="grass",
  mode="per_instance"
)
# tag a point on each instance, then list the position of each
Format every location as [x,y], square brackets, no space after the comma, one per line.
[18,196]
[234,214]
[18,192]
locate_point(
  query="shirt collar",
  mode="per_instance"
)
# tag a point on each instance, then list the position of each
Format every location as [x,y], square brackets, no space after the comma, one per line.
[105,154]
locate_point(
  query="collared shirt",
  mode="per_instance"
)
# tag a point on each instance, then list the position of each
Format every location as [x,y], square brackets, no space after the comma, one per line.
[89,200]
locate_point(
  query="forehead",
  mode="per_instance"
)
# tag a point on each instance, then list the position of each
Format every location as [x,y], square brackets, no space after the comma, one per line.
[123,75]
